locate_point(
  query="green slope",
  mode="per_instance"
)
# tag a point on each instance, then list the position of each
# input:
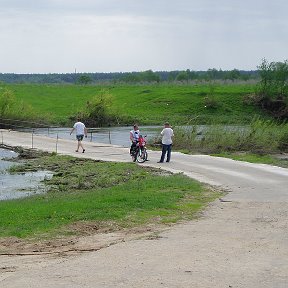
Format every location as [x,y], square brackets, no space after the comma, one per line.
[150,104]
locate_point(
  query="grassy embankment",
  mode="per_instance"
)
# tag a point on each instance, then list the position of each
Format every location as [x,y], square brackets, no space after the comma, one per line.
[179,104]
[113,195]
[153,104]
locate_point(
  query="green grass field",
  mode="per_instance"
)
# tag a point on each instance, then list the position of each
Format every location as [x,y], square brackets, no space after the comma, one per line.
[147,104]
[117,194]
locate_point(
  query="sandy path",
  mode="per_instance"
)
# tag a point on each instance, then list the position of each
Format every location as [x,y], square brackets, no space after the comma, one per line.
[239,243]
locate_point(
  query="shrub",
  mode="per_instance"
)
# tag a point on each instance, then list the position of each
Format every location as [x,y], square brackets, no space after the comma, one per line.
[15,114]
[283,142]
[272,90]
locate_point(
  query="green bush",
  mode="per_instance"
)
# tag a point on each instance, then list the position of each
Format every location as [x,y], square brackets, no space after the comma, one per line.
[98,110]
[272,89]
[283,141]
[13,111]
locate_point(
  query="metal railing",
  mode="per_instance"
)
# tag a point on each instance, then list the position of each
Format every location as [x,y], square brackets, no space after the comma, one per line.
[108,135]
[36,128]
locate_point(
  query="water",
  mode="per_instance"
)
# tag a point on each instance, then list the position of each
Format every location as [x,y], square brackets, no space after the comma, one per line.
[14,186]
[120,135]
[19,185]
[111,135]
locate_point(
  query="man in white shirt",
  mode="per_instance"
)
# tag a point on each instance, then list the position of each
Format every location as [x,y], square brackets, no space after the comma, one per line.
[81,130]
[167,134]
[134,136]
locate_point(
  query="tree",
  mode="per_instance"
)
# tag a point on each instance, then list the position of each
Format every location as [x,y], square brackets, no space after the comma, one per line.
[191,74]
[149,76]
[84,79]
[212,73]
[273,79]
[281,77]
[272,89]
[131,77]
[233,74]
[172,75]
[182,76]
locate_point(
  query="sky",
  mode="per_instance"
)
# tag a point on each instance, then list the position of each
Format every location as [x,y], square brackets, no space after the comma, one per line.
[67,36]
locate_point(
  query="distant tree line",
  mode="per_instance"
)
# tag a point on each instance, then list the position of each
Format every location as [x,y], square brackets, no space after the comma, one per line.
[130,77]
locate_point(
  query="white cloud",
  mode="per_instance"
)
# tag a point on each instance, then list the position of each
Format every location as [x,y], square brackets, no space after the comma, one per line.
[124,35]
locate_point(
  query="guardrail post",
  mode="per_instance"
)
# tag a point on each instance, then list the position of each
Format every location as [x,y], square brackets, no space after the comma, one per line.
[91,136]
[2,136]
[109,137]
[57,143]
[32,138]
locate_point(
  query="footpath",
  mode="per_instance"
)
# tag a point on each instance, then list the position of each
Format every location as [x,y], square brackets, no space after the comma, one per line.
[240,241]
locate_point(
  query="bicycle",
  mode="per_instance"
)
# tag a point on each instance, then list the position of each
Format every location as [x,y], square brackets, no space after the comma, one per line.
[139,153]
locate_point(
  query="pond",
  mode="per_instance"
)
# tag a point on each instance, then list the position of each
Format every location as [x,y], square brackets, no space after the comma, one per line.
[111,135]
[19,185]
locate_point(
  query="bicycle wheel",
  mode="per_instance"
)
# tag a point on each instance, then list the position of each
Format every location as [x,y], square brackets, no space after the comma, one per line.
[141,155]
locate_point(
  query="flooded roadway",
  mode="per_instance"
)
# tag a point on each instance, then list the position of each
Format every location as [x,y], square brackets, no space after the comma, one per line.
[18,185]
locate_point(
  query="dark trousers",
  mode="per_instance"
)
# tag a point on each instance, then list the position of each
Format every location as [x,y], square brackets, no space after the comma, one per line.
[166,149]
[133,147]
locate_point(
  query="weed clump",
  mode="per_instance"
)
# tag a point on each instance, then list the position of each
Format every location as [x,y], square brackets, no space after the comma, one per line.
[260,136]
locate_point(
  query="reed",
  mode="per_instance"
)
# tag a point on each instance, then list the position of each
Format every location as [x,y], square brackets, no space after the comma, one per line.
[260,136]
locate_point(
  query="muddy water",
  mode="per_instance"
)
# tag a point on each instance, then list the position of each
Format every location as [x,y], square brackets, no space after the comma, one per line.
[19,185]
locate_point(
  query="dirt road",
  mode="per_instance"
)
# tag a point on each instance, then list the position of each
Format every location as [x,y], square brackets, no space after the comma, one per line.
[241,241]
